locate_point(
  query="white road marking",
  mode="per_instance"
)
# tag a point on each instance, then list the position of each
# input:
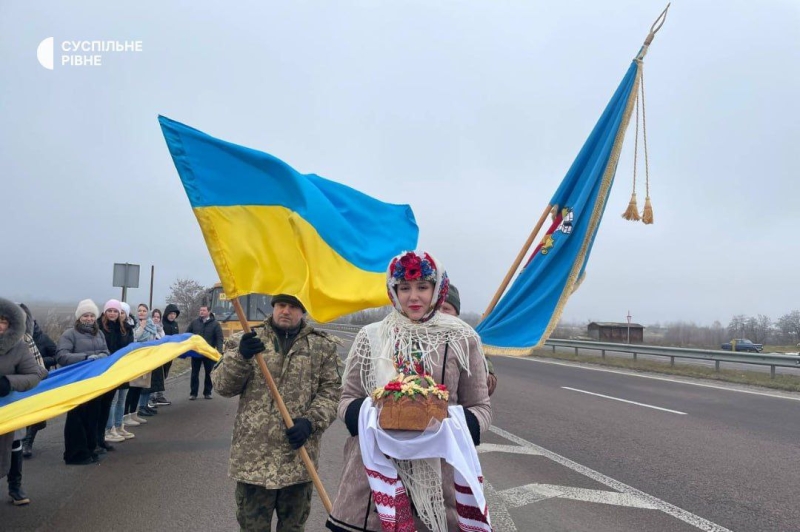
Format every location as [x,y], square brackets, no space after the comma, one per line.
[667,379]
[658,504]
[498,512]
[530,493]
[623,400]
[510,449]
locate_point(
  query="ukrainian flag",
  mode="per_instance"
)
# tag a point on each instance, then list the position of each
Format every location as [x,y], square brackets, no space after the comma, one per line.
[271,229]
[76,384]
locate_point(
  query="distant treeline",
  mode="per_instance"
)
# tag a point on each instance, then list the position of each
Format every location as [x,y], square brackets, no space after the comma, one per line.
[761,329]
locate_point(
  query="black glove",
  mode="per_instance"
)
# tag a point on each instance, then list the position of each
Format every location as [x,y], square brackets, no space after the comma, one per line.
[250,345]
[473,426]
[5,386]
[351,416]
[298,434]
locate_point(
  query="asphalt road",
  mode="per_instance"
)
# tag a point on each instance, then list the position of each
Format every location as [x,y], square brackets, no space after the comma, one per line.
[558,459]
[726,456]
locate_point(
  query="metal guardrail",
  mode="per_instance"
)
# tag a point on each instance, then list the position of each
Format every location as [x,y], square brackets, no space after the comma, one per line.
[772,360]
[337,327]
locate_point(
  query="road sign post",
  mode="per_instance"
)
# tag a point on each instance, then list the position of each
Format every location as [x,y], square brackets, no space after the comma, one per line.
[126,276]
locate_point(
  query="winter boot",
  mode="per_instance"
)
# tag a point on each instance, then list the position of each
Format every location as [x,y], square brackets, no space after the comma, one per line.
[27,441]
[18,496]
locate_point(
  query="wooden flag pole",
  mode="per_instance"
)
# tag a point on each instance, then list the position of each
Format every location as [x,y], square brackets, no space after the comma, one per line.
[276,396]
[517,262]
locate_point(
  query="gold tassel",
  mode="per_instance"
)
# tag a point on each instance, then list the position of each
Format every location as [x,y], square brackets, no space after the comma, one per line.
[647,213]
[632,212]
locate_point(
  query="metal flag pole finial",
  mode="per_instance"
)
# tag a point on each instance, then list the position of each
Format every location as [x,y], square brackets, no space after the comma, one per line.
[657,25]
[653,30]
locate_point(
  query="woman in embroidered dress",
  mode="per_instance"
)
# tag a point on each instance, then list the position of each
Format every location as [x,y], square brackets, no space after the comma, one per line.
[414,338]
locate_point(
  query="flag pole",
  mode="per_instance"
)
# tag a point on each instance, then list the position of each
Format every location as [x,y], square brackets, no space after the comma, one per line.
[276,396]
[517,261]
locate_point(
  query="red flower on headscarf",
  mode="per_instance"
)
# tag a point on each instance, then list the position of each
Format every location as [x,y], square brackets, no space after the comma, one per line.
[412,266]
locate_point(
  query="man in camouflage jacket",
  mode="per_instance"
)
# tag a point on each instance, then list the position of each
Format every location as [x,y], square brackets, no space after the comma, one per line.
[264,461]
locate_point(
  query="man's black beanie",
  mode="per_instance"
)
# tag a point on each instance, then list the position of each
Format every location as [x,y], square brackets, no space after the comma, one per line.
[286,298]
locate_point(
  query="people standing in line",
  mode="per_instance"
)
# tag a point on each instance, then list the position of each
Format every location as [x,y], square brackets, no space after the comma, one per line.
[126,315]
[130,411]
[82,342]
[158,385]
[46,348]
[107,399]
[131,416]
[155,315]
[415,338]
[209,328]
[117,335]
[19,372]
[146,331]
[452,306]
[270,476]
[18,496]
[170,326]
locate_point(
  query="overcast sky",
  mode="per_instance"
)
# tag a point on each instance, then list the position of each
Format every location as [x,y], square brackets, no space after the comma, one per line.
[470,111]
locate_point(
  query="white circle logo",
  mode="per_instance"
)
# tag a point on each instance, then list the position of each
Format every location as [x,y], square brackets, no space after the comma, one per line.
[44,53]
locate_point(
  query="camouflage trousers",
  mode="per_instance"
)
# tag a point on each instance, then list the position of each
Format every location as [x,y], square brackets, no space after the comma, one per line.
[256,504]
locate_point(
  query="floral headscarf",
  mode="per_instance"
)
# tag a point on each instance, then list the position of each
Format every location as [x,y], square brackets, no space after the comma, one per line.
[413,266]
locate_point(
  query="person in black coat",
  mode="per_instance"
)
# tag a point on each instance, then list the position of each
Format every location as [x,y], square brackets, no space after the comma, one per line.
[118,335]
[209,328]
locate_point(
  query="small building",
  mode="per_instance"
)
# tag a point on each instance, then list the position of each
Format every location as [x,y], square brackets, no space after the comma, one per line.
[606,331]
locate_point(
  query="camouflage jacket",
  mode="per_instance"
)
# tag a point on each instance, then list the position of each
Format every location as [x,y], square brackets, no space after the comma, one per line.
[310,384]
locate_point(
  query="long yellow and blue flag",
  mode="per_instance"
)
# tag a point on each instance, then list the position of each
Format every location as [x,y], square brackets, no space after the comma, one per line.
[270,229]
[531,308]
[70,386]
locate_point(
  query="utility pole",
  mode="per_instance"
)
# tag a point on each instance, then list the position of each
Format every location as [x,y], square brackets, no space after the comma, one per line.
[629,326]
[152,274]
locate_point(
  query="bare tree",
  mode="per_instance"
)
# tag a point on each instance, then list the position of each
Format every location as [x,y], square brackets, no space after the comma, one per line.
[718,334]
[55,323]
[738,325]
[188,295]
[789,325]
[759,328]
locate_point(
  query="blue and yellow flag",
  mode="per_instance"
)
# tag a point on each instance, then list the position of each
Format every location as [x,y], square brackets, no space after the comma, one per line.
[532,306]
[70,386]
[271,229]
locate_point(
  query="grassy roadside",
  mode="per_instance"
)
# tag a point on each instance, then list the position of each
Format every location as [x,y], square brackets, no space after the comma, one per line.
[179,365]
[788,383]
[780,349]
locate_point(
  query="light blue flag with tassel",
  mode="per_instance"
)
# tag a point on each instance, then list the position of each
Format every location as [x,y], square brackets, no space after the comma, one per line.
[531,308]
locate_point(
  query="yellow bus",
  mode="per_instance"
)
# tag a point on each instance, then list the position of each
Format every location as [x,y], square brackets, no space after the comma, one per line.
[256,307]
